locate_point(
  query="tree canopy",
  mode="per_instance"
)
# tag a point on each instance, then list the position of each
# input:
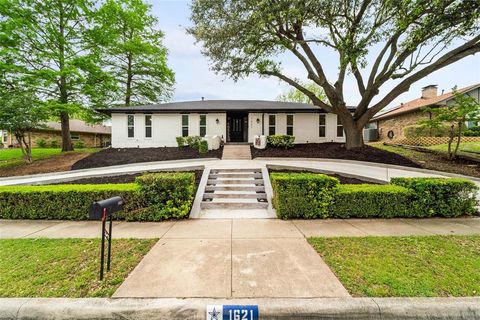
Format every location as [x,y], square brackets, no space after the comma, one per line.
[376,42]
[295,95]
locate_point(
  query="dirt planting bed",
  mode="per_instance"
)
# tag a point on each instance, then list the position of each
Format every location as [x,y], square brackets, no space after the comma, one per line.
[342,179]
[335,151]
[113,157]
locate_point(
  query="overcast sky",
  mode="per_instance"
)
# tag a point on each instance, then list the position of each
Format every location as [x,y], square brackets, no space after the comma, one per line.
[195,80]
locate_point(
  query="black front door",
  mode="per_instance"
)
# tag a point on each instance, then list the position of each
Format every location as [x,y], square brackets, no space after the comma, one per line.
[237,124]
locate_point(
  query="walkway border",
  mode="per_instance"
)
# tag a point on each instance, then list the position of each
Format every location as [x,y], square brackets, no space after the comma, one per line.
[282,308]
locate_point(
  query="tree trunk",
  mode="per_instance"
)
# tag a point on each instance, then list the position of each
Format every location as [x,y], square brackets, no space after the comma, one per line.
[66,139]
[450,141]
[128,91]
[353,133]
[459,139]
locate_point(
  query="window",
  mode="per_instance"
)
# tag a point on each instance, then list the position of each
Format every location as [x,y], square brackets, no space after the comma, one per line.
[290,124]
[322,124]
[5,137]
[184,125]
[130,125]
[339,128]
[75,137]
[203,125]
[148,126]
[271,124]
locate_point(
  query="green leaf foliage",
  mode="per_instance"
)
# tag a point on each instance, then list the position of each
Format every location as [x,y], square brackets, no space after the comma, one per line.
[302,195]
[440,196]
[167,196]
[281,141]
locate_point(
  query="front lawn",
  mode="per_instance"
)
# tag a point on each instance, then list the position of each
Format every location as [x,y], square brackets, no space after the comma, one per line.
[473,147]
[13,157]
[65,267]
[433,266]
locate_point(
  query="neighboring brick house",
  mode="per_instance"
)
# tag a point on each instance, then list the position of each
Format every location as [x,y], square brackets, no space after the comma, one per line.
[89,135]
[395,120]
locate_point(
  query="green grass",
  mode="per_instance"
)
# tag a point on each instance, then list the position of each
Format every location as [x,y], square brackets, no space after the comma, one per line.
[398,150]
[464,147]
[13,157]
[433,266]
[65,267]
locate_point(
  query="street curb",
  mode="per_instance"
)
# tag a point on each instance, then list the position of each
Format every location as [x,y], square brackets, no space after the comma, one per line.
[269,308]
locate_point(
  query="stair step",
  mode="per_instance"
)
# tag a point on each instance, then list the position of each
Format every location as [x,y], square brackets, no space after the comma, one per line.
[234,205]
[235,181]
[234,188]
[234,170]
[234,196]
[235,175]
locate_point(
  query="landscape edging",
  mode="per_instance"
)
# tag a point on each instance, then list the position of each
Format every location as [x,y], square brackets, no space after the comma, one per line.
[270,308]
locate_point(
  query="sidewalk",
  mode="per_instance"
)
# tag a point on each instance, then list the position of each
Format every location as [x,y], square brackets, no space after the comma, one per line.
[242,228]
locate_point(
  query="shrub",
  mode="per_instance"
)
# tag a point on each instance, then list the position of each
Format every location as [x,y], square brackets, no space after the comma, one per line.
[180,142]
[370,201]
[472,132]
[68,202]
[440,196]
[281,141]
[424,131]
[79,145]
[54,144]
[167,196]
[302,195]
[41,143]
[203,148]
[193,141]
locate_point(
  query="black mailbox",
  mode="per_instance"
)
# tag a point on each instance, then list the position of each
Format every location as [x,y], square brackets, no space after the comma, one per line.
[108,206]
[104,210]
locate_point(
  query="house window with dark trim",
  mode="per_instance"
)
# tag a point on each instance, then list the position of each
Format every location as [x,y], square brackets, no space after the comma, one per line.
[148,126]
[4,137]
[271,124]
[75,137]
[203,125]
[339,128]
[290,124]
[322,126]
[131,125]
[184,125]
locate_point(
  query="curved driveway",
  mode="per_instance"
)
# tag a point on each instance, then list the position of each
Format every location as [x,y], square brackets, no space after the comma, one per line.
[375,172]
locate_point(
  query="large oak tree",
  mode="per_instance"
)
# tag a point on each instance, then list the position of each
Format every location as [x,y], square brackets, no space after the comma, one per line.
[377,42]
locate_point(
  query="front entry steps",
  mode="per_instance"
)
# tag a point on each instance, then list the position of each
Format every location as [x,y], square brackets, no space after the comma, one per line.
[236,152]
[235,189]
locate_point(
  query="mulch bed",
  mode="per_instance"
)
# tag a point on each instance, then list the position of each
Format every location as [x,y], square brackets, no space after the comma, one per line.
[342,179]
[332,150]
[113,156]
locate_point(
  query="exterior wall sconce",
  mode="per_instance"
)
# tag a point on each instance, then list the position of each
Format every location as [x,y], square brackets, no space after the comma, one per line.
[258,120]
[217,121]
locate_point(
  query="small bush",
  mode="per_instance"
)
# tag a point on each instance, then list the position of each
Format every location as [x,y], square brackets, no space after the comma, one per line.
[167,196]
[41,143]
[54,144]
[203,148]
[66,202]
[440,196]
[472,132]
[370,201]
[79,145]
[281,141]
[180,142]
[416,131]
[302,195]
[193,141]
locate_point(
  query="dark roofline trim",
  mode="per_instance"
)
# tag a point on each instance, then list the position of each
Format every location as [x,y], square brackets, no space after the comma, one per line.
[150,111]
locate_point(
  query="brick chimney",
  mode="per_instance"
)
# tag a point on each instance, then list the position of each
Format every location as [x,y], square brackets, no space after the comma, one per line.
[429,91]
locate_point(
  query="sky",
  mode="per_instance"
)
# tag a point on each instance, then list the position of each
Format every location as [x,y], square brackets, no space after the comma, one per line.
[194,79]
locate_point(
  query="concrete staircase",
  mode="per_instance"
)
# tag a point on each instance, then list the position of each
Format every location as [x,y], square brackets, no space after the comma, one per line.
[236,152]
[235,189]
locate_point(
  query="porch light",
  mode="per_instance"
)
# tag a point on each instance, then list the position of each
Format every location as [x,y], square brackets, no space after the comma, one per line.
[258,120]
[217,121]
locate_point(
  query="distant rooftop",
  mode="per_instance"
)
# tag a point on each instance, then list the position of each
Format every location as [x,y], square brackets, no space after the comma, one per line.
[219,106]
[80,126]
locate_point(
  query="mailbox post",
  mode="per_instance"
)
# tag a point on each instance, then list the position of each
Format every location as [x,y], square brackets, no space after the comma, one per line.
[103,210]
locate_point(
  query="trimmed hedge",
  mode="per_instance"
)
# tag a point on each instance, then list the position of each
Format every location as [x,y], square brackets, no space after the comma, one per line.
[166,195]
[154,197]
[67,202]
[370,201]
[302,195]
[440,196]
[310,196]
